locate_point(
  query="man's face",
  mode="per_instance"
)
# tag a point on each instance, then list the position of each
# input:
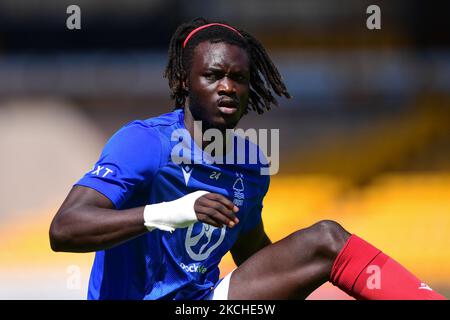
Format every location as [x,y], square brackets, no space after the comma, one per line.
[218,84]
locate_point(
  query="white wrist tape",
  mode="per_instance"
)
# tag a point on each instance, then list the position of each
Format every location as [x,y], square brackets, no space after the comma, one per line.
[174,214]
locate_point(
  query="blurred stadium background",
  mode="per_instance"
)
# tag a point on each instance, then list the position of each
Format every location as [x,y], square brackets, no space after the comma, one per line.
[365,141]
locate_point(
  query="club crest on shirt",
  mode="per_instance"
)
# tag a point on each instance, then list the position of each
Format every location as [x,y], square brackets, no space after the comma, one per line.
[201,243]
[238,190]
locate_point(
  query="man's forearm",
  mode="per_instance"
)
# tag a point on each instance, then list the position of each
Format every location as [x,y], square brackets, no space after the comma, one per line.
[89,228]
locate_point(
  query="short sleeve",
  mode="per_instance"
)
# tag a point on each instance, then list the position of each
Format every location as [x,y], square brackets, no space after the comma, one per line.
[254,217]
[129,160]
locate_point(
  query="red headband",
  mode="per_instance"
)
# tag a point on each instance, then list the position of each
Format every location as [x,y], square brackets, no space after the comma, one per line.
[206,26]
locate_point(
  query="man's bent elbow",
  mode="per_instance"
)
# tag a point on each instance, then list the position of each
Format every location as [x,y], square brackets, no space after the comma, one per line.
[58,236]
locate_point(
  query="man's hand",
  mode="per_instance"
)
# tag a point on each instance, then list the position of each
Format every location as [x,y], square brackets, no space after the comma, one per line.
[211,208]
[216,210]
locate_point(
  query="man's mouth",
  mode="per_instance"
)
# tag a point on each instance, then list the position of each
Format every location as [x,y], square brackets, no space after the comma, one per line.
[228,106]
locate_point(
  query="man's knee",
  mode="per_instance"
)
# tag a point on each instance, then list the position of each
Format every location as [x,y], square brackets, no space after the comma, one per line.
[327,238]
[331,237]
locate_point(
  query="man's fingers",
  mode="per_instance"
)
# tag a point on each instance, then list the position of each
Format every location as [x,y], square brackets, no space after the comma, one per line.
[221,198]
[233,209]
[216,215]
[206,219]
[223,210]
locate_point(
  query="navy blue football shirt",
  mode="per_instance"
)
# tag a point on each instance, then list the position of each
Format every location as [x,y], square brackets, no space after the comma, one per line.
[136,168]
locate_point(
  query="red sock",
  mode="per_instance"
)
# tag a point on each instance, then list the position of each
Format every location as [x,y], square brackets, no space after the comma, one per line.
[364,272]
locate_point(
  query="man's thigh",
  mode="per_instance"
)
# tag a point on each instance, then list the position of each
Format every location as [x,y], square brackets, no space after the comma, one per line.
[287,269]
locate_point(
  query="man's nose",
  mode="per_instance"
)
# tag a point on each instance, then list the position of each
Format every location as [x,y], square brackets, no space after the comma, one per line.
[226,86]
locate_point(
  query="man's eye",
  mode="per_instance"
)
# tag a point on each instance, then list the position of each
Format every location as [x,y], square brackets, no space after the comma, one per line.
[241,78]
[210,76]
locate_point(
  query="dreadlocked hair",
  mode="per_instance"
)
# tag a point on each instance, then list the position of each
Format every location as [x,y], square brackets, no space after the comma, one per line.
[264,76]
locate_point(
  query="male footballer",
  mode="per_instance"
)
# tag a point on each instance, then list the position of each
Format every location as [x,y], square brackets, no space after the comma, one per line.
[160,227]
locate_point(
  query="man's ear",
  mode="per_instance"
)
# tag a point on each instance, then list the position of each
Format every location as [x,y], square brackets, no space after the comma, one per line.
[185,84]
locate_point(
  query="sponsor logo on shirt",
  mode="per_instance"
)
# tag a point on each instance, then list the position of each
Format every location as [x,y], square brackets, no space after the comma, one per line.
[194,268]
[101,171]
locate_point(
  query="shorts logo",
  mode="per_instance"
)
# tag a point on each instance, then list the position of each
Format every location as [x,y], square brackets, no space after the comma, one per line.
[199,246]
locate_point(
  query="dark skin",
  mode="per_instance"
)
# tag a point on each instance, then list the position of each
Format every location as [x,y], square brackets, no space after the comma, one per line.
[219,78]
[291,268]
[86,221]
